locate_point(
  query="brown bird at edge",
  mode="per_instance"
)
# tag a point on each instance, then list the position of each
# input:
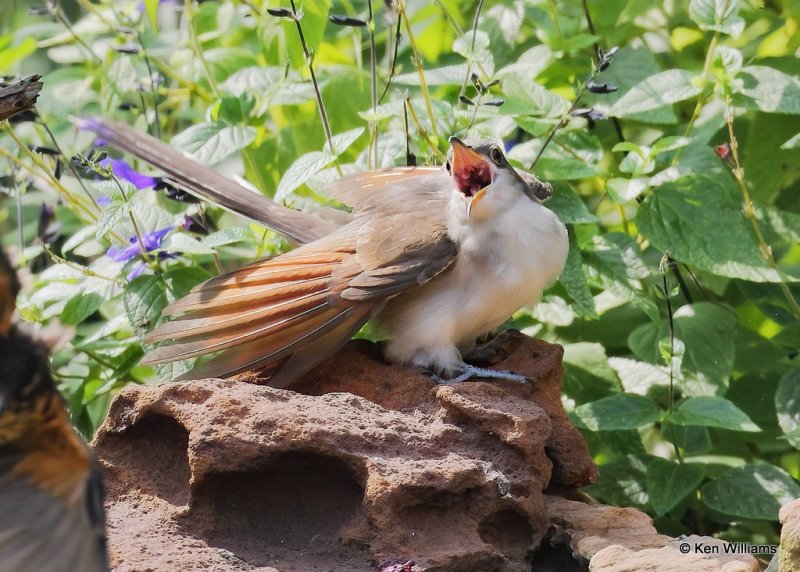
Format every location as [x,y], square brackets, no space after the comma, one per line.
[51,493]
[437,256]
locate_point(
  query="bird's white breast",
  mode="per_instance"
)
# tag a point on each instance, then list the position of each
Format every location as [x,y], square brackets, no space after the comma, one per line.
[502,265]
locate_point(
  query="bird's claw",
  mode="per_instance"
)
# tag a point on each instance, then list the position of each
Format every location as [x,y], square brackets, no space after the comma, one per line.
[470,371]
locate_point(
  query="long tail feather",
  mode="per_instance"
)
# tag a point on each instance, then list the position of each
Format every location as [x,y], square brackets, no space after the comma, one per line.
[207,184]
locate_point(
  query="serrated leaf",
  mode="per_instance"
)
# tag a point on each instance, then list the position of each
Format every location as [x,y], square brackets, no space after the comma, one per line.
[569,207]
[573,278]
[664,88]
[301,170]
[210,143]
[712,411]
[753,491]
[226,236]
[80,307]
[638,376]
[273,85]
[110,217]
[623,482]
[707,332]
[717,15]
[144,299]
[617,412]
[768,89]
[179,243]
[787,405]
[668,483]
[696,221]
[182,279]
[343,140]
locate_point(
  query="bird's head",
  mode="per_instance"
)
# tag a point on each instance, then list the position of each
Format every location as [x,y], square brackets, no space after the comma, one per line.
[481,174]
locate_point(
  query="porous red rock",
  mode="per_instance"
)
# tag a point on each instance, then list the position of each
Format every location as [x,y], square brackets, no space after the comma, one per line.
[365,463]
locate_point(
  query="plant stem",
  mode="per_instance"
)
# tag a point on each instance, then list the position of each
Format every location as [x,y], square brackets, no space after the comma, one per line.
[750,211]
[701,101]
[463,91]
[63,19]
[394,58]
[563,121]
[421,130]
[320,104]
[671,323]
[373,76]
[401,7]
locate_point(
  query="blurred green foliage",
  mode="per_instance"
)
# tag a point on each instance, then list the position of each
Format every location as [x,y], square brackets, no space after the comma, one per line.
[677,309]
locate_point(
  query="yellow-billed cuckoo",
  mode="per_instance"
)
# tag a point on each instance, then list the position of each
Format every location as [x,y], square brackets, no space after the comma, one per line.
[438,256]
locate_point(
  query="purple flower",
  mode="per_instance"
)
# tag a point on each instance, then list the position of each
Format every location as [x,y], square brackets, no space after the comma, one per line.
[103,200]
[151,241]
[124,171]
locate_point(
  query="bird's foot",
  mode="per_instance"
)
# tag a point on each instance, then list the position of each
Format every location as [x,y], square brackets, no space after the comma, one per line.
[470,371]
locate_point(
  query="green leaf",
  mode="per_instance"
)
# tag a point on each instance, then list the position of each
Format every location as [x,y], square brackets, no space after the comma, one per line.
[753,491]
[710,411]
[668,144]
[617,412]
[631,66]
[573,278]
[210,143]
[182,279]
[144,299]
[668,483]
[639,376]
[179,242]
[792,143]
[523,96]
[587,375]
[272,85]
[707,332]
[568,206]
[227,236]
[661,89]
[787,405]
[625,190]
[697,222]
[110,217]
[342,141]
[623,482]
[301,170]
[717,15]
[151,9]
[768,89]
[80,307]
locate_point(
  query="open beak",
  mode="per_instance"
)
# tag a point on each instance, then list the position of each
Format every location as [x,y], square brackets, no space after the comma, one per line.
[471,172]
[465,159]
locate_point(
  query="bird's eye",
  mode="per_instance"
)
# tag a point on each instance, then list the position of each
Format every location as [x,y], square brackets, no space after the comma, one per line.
[496,155]
[447,166]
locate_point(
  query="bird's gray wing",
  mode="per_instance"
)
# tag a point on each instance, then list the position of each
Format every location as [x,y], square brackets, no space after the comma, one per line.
[43,532]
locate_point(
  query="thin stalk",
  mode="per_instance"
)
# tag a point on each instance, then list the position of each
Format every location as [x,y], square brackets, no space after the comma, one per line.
[197,49]
[394,58]
[598,54]
[701,100]
[401,7]
[421,130]
[63,19]
[69,195]
[463,91]
[373,74]
[750,211]
[82,269]
[70,166]
[563,121]
[671,323]
[320,104]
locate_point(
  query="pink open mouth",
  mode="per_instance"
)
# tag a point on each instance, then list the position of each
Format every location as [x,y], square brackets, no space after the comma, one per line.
[472,178]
